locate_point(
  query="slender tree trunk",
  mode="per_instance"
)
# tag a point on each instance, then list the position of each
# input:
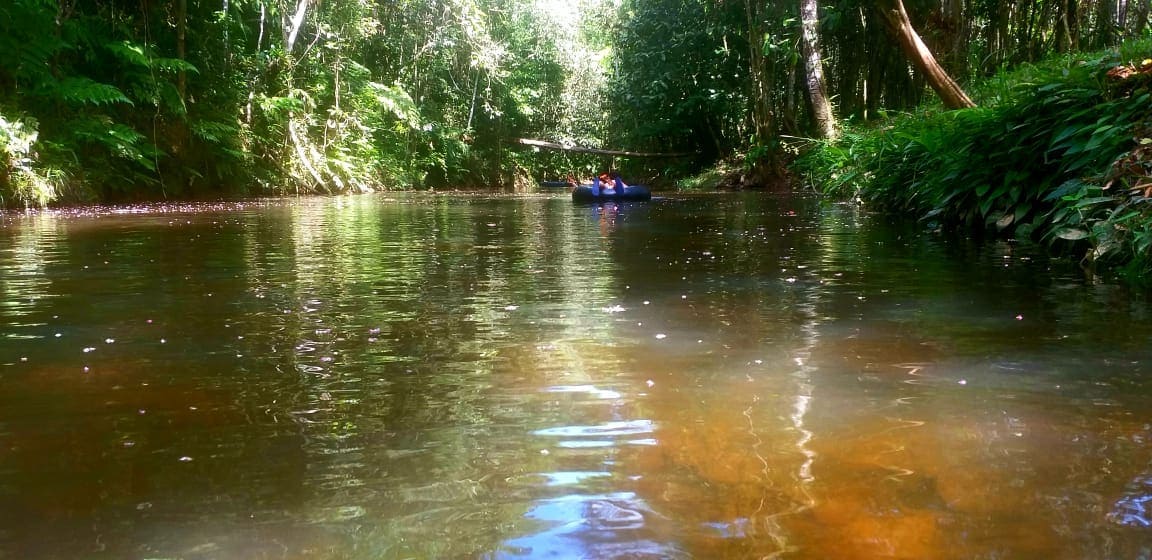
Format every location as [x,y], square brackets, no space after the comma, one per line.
[252,74]
[1066,28]
[916,51]
[1141,17]
[1072,22]
[761,112]
[181,46]
[1105,23]
[822,114]
[293,30]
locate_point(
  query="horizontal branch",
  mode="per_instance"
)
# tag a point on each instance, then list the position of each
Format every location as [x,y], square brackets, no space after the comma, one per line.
[577,149]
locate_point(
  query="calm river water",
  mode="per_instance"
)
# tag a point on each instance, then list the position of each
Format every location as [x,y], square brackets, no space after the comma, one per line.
[442,377]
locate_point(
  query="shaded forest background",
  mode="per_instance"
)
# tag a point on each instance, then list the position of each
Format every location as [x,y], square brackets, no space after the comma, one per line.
[145,100]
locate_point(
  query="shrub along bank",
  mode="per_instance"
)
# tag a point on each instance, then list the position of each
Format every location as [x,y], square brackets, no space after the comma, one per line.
[1060,153]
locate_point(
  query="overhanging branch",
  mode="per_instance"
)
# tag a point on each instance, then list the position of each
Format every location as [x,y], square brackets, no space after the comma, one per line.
[554,146]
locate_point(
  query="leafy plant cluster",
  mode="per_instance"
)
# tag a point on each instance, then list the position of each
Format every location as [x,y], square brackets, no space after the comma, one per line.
[1063,156]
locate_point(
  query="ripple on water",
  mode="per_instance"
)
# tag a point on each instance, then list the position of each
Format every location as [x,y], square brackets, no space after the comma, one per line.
[623,428]
[609,434]
[591,390]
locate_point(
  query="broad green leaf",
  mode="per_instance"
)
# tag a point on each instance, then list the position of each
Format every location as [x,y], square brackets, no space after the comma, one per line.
[1071,234]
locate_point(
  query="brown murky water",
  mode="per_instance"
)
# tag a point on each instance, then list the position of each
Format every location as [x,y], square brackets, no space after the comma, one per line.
[733,376]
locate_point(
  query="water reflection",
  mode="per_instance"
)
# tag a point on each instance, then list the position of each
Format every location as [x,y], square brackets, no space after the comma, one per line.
[460,377]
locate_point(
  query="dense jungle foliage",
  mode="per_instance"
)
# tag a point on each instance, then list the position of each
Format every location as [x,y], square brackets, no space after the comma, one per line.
[145,100]
[114,101]
[1059,152]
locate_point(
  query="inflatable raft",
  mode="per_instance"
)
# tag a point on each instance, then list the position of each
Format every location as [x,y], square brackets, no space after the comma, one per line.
[584,193]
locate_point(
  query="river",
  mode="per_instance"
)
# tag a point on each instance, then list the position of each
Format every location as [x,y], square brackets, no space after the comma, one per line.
[501,377]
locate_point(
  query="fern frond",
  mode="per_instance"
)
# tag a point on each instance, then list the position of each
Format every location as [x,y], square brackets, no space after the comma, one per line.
[139,55]
[174,65]
[119,139]
[275,106]
[213,131]
[397,101]
[86,91]
[128,52]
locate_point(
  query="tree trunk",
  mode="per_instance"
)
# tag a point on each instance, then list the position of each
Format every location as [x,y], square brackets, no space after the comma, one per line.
[293,30]
[917,52]
[181,47]
[761,110]
[1141,18]
[822,115]
[1105,23]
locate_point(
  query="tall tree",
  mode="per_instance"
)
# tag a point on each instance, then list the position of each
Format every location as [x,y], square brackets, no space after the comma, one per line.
[921,56]
[762,86]
[822,115]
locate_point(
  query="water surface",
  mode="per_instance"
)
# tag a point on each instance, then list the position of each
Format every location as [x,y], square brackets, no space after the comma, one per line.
[732,376]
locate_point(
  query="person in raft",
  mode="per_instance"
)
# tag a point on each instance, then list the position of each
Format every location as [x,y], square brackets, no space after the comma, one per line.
[607,184]
[617,182]
[607,187]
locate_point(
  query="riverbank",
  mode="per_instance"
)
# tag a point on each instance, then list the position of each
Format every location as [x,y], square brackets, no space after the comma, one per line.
[1059,152]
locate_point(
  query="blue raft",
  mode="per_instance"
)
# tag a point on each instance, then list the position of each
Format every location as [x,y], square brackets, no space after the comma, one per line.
[583,193]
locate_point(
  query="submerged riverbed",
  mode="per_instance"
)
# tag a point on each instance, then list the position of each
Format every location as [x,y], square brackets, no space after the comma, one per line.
[731,376]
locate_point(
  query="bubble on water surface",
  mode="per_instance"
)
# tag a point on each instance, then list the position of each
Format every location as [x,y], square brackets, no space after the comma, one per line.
[661,336]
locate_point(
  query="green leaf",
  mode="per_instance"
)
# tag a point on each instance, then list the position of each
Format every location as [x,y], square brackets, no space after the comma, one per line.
[1093,201]
[1071,234]
[86,91]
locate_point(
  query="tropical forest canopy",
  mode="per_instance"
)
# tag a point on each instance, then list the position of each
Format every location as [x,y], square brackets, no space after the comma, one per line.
[146,100]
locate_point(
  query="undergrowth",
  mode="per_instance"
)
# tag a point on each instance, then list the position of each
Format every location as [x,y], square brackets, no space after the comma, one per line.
[1060,152]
